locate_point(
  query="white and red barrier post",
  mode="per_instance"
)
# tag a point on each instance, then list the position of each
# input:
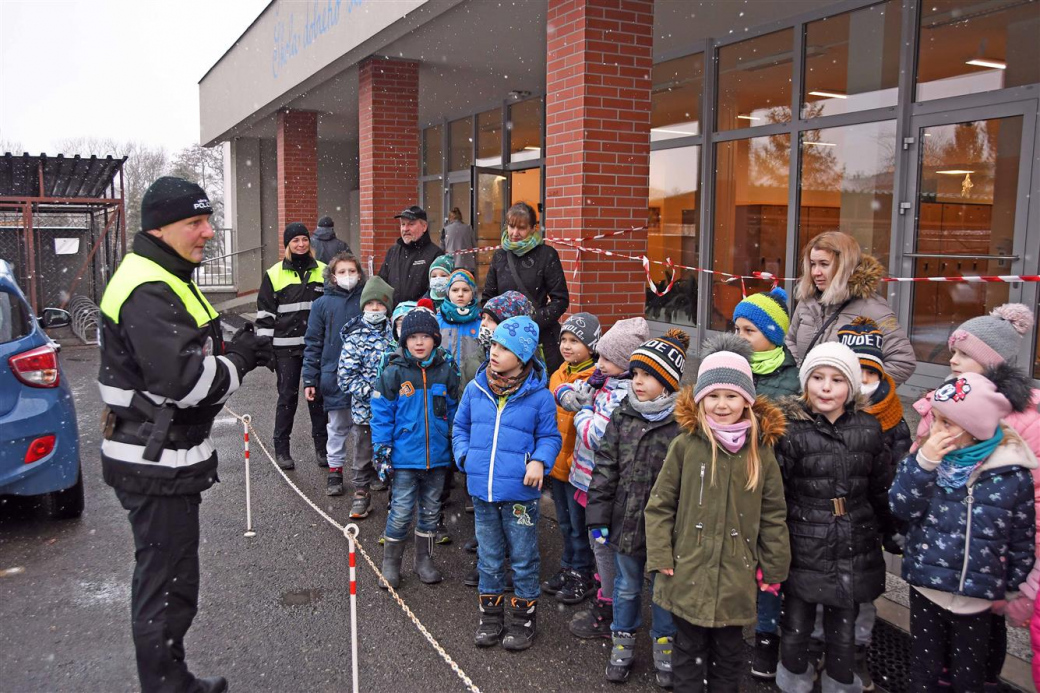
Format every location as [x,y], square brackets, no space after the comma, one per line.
[249,498]
[351,531]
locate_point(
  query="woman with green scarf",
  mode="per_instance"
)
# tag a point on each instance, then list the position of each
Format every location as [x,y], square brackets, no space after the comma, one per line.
[526,264]
[762,321]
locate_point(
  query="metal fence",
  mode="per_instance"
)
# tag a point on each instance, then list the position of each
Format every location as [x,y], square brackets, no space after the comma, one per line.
[217,270]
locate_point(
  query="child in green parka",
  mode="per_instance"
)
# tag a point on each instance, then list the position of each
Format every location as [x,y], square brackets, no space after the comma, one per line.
[716,531]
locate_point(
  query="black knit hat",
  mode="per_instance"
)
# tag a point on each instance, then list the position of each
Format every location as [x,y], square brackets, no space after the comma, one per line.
[171,199]
[325,222]
[865,338]
[663,358]
[293,230]
[421,320]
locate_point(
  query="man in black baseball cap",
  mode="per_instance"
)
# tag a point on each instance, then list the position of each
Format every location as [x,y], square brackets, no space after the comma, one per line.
[407,263]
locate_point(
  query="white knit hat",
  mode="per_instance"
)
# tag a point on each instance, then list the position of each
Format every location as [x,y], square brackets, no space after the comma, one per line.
[838,356]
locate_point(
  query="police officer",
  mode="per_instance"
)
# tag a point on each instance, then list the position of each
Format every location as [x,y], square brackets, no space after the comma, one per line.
[165,373]
[283,306]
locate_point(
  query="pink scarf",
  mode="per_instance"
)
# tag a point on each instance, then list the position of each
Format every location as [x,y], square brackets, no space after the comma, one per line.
[730,436]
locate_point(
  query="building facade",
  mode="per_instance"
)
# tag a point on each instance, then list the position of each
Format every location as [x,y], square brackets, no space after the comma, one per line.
[725,134]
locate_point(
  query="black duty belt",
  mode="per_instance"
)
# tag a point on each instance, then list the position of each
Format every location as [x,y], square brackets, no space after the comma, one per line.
[174,434]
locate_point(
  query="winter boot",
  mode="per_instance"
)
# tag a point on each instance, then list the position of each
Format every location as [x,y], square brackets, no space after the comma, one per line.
[282,456]
[593,621]
[765,656]
[470,546]
[211,684]
[575,588]
[862,671]
[663,661]
[320,456]
[424,567]
[790,682]
[829,685]
[472,578]
[361,505]
[377,485]
[523,617]
[555,583]
[393,551]
[622,655]
[492,620]
[334,484]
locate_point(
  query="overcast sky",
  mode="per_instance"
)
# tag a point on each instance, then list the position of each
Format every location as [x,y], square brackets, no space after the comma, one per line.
[119,69]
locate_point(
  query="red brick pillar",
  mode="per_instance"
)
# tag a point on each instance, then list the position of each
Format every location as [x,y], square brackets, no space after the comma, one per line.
[388,109]
[600,53]
[297,139]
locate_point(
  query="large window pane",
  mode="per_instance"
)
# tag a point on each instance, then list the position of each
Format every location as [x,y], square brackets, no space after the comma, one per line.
[751,183]
[972,46]
[433,203]
[525,130]
[673,225]
[755,81]
[489,138]
[852,61]
[432,151]
[460,145]
[675,99]
[967,202]
[846,185]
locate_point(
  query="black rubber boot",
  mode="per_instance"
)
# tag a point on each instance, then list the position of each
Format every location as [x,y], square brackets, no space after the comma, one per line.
[593,621]
[424,567]
[492,620]
[393,551]
[523,617]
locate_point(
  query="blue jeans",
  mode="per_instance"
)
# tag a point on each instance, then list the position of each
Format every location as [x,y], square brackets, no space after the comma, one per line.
[511,527]
[628,603]
[577,554]
[769,613]
[409,485]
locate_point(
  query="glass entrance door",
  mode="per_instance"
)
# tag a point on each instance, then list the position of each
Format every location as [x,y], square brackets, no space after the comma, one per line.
[966,215]
[490,193]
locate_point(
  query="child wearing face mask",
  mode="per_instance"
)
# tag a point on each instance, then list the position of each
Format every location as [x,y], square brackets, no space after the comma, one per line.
[511,304]
[593,401]
[967,495]
[836,477]
[364,340]
[338,305]
[989,345]
[440,272]
[716,535]
[628,461]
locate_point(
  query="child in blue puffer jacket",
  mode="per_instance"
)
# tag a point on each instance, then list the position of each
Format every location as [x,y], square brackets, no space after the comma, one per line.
[967,496]
[506,441]
[413,404]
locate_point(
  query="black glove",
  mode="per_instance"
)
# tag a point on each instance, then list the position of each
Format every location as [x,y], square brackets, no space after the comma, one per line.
[265,353]
[893,544]
[244,347]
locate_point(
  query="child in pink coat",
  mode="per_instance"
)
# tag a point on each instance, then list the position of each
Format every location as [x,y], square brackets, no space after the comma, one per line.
[983,345]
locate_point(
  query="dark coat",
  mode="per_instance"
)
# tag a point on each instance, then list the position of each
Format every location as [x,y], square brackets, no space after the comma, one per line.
[835,560]
[323,342]
[782,382]
[407,267]
[542,273]
[628,461]
[284,301]
[998,539]
[326,245]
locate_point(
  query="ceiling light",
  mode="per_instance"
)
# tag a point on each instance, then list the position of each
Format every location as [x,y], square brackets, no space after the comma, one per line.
[983,62]
[955,172]
[747,117]
[821,144]
[829,94]
[674,132]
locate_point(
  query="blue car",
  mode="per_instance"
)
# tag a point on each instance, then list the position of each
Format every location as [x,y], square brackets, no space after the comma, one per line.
[39,440]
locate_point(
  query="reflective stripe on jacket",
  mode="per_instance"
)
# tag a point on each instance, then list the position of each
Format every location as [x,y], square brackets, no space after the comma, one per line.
[284,303]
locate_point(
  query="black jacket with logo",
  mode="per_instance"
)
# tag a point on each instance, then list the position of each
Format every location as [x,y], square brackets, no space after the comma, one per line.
[407,267]
[284,303]
[158,352]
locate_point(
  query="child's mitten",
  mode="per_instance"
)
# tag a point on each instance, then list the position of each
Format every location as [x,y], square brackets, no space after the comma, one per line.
[381,460]
[772,588]
[600,534]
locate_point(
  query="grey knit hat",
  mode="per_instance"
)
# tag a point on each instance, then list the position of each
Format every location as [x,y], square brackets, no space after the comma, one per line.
[835,355]
[585,327]
[995,338]
[621,340]
[726,365]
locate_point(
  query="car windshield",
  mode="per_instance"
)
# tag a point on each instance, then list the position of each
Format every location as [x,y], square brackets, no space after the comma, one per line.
[14,318]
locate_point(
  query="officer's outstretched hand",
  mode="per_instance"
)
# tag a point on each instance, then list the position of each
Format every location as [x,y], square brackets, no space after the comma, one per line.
[244,346]
[265,353]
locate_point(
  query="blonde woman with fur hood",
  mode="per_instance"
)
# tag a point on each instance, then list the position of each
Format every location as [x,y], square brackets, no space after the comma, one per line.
[839,283]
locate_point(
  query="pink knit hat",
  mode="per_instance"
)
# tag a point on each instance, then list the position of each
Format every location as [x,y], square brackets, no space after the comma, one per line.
[972,402]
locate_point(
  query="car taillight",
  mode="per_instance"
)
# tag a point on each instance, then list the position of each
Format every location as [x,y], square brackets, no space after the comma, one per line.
[38,367]
[39,448]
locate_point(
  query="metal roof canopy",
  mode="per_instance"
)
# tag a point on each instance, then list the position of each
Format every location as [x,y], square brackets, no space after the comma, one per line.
[31,184]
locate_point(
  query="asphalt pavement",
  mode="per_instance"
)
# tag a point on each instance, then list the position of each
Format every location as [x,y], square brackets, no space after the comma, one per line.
[274,611]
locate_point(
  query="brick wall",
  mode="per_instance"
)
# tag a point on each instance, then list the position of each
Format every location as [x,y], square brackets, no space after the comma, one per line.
[297,142]
[388,112]
[600,54]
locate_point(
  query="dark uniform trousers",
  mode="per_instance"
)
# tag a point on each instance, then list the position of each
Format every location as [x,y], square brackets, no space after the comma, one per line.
[289,369]
[165,593]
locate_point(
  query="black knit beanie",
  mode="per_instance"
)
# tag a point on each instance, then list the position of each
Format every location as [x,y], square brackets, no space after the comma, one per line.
[292,231]
[421,320]
[325,222]
[171,199]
